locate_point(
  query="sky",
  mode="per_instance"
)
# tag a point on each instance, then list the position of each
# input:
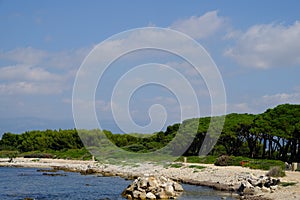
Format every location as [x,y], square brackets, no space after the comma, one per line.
[254,44]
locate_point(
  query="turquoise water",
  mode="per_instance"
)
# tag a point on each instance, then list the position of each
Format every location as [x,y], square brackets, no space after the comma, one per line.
[20,183]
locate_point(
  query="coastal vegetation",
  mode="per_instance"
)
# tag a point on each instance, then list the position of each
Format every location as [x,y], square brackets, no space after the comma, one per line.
[247,139]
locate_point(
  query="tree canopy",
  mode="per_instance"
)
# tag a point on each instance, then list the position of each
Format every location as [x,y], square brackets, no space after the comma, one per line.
[274,134]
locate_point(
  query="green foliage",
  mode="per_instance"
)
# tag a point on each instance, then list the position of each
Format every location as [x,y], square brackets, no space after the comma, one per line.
[264,164]
[41,140]
[197,167]
[272,135]
[223,160]
[38,155]
[176,165]
[8,154]
[285,184]
[276,172]
[73,154]
[135,148]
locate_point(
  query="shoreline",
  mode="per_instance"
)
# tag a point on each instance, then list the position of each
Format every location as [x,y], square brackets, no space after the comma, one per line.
[225,178]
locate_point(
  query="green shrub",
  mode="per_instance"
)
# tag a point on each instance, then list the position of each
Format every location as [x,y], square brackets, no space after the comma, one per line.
[223,161]
[276,172]
[197,167]
[265,164]
[39,155]
[8,154]
[285,184]
[176,165]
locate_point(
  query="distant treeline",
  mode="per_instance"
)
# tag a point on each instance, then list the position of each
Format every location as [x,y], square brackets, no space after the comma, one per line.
[274,134]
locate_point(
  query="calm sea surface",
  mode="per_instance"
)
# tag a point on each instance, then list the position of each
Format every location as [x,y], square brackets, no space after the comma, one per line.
[20,183]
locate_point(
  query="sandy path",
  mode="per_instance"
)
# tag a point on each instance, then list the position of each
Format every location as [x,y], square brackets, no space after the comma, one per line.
[230,175]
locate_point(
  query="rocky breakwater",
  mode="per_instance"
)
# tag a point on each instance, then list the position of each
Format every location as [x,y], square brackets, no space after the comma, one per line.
[153,187]
[252,185]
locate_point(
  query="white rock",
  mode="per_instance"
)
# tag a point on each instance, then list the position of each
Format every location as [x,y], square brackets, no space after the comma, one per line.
[274,187]
[150,195]
[177,187]
[265,189]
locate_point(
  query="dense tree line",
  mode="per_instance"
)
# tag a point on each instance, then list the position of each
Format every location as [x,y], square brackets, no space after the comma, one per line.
[41,140]
[274,134]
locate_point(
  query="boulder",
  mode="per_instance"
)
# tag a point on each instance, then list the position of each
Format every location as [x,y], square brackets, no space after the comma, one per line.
[177,187]
[153,188]
[252,185]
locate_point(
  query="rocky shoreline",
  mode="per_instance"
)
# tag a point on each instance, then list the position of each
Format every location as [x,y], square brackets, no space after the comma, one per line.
[228,179]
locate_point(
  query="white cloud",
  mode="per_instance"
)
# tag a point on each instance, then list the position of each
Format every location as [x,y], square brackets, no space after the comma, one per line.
[268,45]
[201,27]
[30,88]
[34,71]
[27,73]
[27,55]
[262,103]
[281,98]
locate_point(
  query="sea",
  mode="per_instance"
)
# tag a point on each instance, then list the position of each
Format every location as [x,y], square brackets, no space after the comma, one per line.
[31,183]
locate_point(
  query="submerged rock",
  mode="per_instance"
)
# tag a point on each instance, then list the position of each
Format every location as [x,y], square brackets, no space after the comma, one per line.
[151,187]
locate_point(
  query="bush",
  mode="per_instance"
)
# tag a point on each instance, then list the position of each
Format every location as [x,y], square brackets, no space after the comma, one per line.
[285,184]
[39,155]
[176,165]
[276,172]
[223,161]
[197,166]
[8,154]
[265,164]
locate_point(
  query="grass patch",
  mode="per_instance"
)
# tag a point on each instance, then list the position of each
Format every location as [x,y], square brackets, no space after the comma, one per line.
[73,154]
[197,167]
[285,184]
[263,164]
[176,165]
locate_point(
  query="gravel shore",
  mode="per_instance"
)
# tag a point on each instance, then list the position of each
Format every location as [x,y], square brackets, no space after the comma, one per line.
[221,178]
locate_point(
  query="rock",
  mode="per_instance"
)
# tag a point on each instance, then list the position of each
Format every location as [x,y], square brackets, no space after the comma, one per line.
[53,174]
[142,195]
[177,187]
[273,187]
[249,191]
[88,171]
[275,182]
[265,189]
[163,179]
[139,195]
[170,190]
[153,188]
[162,195]
[143,183]
[150,195]
[252,185]
[152,182]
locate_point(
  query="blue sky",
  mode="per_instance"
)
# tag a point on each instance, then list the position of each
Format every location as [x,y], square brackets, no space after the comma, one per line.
[255,45]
